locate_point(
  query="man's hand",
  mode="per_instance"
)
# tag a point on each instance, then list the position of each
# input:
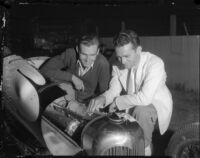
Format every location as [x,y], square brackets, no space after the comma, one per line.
[96,103]
[78,83]
[77,107]
[6,51]
[112,107]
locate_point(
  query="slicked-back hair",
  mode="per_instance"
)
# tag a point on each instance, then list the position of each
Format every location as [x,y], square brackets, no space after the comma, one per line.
[89,39]
[125,37]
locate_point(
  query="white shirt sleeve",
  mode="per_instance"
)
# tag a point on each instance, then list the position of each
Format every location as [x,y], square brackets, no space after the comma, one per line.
[114,87]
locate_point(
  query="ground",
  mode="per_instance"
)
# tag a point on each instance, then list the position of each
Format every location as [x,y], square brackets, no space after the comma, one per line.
[185,110]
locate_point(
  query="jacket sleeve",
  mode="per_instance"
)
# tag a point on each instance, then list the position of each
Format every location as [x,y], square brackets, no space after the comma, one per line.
[53,68]
[114,87]
[155,76]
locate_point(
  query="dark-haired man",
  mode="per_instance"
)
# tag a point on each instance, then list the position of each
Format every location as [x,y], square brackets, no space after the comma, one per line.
[141,76]
[84,68]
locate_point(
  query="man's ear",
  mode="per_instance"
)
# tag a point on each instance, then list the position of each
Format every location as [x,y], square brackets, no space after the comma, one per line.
[76,48]
[138,49]
[98,51]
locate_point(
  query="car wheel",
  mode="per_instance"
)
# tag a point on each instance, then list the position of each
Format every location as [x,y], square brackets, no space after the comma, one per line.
[185,142]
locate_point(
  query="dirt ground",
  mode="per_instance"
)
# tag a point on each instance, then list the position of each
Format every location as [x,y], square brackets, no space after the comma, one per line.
[185,110]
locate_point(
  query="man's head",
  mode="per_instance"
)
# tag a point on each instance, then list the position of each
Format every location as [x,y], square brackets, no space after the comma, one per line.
[127,48]
[88,49]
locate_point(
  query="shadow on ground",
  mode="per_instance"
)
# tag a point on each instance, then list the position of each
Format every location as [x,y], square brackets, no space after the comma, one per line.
[160,142]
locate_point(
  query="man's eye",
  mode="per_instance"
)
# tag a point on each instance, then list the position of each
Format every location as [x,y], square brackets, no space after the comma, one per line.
[83,54]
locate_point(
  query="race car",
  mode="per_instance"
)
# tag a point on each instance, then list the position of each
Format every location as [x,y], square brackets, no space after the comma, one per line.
[35,116]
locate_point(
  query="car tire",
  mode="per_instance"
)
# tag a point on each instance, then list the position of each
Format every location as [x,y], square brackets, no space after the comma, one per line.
[185,142]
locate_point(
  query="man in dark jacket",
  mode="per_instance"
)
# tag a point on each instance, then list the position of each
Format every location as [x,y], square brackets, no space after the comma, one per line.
[83,72]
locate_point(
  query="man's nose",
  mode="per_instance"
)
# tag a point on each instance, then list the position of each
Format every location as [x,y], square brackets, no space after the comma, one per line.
[87,58]
[123,60]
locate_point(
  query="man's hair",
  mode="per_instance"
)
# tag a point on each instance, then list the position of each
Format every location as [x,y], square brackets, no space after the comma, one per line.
[89,39]
[125,37]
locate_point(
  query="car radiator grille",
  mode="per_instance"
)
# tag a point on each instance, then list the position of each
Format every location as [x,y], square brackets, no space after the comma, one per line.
[135,150]
[120,151]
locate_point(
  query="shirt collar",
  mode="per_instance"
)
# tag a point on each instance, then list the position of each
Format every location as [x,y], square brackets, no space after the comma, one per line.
[79,63]
[81,70]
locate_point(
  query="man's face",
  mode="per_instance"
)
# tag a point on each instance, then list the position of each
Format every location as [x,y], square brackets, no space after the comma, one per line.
[128,56]
[88,54]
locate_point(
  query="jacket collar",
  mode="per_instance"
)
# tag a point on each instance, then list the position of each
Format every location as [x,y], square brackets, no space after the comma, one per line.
[124,72]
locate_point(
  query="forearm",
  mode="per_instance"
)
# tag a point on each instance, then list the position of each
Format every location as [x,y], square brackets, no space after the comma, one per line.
[112,92]
[129,101]
[109,97]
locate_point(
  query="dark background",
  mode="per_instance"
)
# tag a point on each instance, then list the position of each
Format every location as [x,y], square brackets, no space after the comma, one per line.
[61,21]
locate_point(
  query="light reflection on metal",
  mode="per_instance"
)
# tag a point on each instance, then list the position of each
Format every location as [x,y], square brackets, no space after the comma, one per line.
[66,133]
[113,135]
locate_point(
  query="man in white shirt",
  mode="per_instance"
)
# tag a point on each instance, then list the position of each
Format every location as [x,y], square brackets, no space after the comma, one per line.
[141,75]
